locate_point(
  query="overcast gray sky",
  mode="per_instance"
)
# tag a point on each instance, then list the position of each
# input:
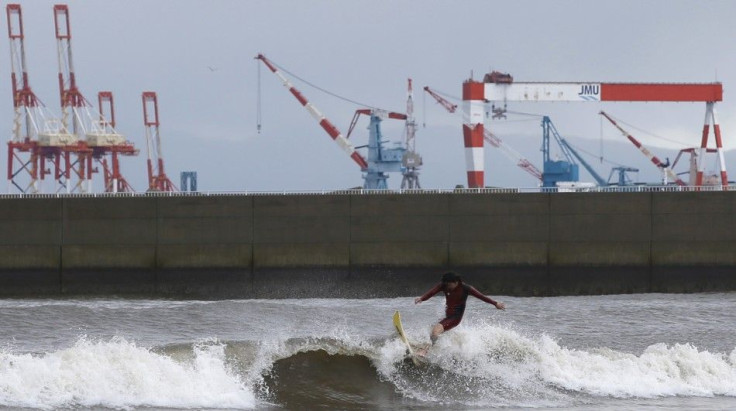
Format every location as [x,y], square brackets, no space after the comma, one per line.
[198,57]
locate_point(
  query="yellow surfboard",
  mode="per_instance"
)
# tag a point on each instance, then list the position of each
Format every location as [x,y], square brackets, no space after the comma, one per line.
[402,335]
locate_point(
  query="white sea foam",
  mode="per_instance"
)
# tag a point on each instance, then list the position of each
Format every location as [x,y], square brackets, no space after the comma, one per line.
[119,374]
[661,370]
[498,365]
[474,364]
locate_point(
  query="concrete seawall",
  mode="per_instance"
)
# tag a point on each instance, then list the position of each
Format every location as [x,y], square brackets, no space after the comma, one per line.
[379,245]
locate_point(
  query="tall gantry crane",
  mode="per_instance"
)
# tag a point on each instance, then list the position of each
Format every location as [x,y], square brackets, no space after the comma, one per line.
[97,136]
[37,135]
[412,160]
[157,178]
[71,100]
[103,144]
[491,139]
[502,89]
[380,160]
[24,102]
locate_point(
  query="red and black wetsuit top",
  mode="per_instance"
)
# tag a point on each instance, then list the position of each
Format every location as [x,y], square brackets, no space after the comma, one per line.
[455,302]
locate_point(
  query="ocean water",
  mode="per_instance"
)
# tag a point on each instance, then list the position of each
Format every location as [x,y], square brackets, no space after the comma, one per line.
[645,351]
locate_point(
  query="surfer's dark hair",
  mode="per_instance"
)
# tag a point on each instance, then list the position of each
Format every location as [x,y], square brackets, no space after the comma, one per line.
[450,277]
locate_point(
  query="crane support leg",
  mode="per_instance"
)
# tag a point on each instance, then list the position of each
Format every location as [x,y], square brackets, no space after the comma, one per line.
[710,118]
[473,133]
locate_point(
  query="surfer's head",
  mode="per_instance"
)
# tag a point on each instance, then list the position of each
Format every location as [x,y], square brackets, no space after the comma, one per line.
[450,279]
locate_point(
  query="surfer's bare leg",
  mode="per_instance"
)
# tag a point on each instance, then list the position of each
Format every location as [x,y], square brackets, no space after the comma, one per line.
[436,331]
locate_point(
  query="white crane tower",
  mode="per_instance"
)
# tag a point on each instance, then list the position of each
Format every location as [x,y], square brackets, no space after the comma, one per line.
[411,160]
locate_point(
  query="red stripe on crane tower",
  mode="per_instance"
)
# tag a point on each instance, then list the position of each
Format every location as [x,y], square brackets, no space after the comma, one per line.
[705,134]
[475,179]
[717,131]
[473,90]
[661,92]
[473,136]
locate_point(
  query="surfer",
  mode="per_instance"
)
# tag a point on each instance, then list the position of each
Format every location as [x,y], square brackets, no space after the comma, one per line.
[456,294]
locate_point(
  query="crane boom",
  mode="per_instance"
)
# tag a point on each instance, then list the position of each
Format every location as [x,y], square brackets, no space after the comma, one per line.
[656,161]
[446,104]
[549,128]
[369,112]
[331,130]
[492,139]
[598,179]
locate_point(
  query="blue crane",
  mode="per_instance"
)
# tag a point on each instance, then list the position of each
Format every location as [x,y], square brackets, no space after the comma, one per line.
[598,179]
[567,170]
[623,178]
[381,159]
[554,171]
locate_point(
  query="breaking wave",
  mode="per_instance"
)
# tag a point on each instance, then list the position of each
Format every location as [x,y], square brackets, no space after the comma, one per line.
[119,374]
[482,365]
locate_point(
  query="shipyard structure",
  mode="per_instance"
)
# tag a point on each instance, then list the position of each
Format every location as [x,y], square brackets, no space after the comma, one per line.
[563,237]
[50,153]
[354,244]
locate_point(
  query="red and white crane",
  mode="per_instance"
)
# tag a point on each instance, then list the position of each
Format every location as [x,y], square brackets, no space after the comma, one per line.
[115,182]
[38,136]
[97,136]
[71,100]
[443,101]
[694,152]
[492,139]
[23,140]
[333,132]
[654,159]
[157,179]
[502,89]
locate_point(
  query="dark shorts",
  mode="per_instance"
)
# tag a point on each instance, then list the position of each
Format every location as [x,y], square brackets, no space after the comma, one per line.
[451,322]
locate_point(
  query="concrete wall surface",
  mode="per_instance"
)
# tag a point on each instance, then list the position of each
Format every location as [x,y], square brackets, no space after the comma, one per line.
[367,245]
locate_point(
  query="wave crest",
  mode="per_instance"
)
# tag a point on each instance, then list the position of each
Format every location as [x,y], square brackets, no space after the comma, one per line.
[477,365]
[119,374]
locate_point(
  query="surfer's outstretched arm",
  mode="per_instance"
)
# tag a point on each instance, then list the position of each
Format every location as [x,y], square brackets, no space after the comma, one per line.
[429,294]
[477,294]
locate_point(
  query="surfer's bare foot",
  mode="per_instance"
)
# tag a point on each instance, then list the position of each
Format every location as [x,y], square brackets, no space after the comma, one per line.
[422,352]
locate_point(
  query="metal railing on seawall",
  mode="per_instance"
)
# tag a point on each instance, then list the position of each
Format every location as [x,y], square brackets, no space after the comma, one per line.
[360,191]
